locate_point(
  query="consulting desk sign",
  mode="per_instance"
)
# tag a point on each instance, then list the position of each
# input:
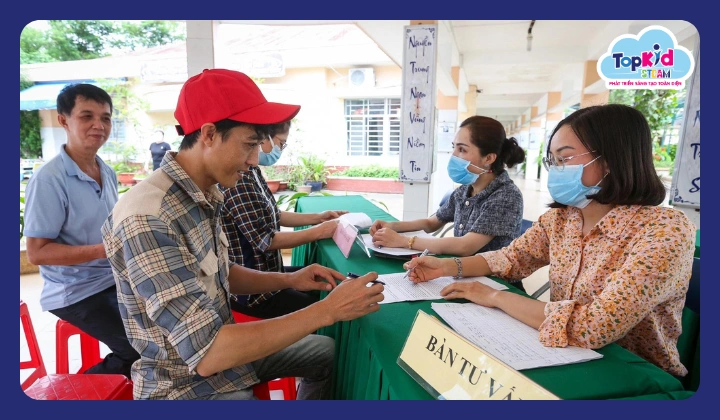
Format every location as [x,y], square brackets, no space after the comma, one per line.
[451,368]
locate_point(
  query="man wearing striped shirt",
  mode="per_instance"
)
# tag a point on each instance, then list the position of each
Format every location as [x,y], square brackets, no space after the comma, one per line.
[169,256]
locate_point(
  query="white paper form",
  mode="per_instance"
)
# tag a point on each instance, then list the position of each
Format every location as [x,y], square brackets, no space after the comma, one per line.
[367,239]
[400,289]
[506,338]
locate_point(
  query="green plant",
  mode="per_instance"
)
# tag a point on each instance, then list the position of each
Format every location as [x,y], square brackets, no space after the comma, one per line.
[120,155]
[542,153]
[661,154]
[66,40]
[657,105]
[372,171]
[315,168]
[274,173]
[122,167]
[291,200]
[127,105]
[30,140]
[296,176]
[523,166]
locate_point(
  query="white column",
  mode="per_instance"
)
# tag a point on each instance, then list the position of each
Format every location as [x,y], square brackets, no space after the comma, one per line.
[200,45]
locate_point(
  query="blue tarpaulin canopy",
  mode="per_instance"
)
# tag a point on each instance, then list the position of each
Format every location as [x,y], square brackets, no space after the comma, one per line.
[44,95]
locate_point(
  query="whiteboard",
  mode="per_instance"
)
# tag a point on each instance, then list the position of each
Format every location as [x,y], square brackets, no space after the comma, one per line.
[686,177]
[418,103]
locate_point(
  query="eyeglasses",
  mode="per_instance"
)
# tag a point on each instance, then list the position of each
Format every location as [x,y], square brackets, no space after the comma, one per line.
[559,161]
[283,143]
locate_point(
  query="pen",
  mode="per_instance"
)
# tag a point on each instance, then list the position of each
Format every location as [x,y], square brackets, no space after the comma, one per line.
[424,253]
[354,276]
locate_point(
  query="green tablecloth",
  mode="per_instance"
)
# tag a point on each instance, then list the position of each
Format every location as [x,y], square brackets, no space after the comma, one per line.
[697,244]
[367,348]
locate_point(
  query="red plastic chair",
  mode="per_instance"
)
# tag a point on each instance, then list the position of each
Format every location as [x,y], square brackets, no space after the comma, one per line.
[81,387]
[262,391]
[89,348]
[36,361]
[41,386]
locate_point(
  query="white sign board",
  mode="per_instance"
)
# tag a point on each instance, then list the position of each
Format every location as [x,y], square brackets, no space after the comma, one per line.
[686,177]
[418,103]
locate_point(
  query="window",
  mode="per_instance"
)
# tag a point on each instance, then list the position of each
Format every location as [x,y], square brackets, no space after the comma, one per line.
[373,127]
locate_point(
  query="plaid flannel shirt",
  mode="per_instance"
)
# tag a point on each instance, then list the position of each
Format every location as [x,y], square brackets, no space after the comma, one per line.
[169,257]
[248,214]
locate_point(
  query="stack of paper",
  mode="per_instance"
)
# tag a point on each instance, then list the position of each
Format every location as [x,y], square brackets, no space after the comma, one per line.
[359,220]
[506,338]
[400,289]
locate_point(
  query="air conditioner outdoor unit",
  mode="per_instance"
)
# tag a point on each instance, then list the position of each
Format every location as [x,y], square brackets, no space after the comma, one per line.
[362,77]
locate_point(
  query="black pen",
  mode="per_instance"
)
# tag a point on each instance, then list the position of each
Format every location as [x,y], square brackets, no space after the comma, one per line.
[354,276]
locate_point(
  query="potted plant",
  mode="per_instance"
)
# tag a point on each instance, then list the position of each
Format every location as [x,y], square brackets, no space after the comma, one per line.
[296,176]
[272,178]
[125,173]
[315,171]
[121,154]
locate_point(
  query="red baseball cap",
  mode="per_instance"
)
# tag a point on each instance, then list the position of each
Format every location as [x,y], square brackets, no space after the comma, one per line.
[218,94]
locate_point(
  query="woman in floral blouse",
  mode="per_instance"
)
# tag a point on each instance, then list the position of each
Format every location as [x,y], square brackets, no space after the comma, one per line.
[620,264]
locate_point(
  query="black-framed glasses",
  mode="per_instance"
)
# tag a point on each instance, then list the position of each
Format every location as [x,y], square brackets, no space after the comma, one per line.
[560,161]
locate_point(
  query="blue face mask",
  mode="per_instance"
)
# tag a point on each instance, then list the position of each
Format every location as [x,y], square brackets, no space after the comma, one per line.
[269,159]
[566,185]
[457,169]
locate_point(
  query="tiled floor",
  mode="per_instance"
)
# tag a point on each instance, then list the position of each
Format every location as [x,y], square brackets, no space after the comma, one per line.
[44,322]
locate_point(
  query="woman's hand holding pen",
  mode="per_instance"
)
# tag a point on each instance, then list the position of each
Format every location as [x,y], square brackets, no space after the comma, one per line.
[427,268]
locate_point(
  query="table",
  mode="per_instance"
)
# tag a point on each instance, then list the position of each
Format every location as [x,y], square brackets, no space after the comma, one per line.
[367,348]
[697,243]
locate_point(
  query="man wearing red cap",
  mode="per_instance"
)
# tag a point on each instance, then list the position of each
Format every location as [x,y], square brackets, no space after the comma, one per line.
[169,256]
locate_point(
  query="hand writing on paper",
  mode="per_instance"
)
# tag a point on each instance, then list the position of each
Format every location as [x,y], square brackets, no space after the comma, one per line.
[353,298]
[473,291]
[425,268]
[314,277]
[330,215]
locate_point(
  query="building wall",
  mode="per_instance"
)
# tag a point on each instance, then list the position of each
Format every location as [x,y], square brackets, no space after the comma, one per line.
[319,128]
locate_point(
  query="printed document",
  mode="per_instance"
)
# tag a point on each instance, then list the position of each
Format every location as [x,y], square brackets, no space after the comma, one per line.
[506,338]
[400,289]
